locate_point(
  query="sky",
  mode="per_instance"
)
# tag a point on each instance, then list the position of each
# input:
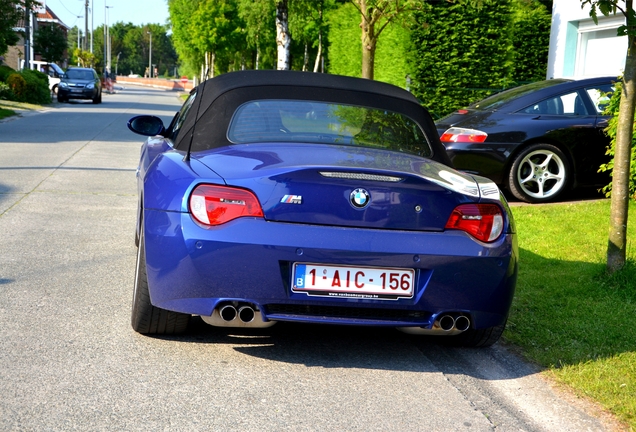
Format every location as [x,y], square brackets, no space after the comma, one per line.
[134,11]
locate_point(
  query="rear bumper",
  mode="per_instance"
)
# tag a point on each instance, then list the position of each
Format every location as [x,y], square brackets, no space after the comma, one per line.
[84,94]
[491,160]
[192,269]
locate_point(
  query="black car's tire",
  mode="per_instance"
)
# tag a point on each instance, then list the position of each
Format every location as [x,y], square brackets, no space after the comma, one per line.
[539,173]
[97,99]
[61,99]
[476,338]
[146,318]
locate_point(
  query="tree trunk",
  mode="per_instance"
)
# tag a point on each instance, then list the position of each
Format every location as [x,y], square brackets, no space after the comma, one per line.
[319,55]
[306,57]
[617,243]
[283,38]
[369,40]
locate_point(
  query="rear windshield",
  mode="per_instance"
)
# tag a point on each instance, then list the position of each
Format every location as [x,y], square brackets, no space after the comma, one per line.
[326,123]
[79,74]
[499,99]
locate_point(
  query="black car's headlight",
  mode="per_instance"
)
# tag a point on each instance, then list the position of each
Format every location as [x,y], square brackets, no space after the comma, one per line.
[63,85]
[90,85]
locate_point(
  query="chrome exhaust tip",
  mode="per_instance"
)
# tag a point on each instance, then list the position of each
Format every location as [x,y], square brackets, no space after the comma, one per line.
[228,313]
[445,322]
[246,314]
[462,323]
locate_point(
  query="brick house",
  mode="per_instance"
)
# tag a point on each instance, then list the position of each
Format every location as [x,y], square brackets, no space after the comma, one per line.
[42,16]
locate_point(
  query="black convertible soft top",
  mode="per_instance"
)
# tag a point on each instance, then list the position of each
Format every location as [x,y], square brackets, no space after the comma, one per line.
[205,126]
[215,87]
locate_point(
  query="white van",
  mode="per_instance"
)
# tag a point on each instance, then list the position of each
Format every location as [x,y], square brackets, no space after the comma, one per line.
[52,70]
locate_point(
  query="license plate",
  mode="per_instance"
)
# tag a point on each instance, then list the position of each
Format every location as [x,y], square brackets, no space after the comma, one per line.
[353,282]
[76,90]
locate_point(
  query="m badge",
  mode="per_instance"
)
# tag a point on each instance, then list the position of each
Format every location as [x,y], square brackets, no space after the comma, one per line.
[292,199]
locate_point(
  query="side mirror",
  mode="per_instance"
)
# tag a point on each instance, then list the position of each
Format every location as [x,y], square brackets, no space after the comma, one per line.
[146,125]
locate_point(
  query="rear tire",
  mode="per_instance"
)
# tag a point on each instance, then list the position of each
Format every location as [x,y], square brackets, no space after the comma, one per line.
[146,318]
[477,338]
[540,173]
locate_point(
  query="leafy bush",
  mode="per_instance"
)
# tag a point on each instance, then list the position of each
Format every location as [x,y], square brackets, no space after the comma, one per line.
[5,91]
[5,71]
[612,109]
[28,86]
[18,86]
[37,91]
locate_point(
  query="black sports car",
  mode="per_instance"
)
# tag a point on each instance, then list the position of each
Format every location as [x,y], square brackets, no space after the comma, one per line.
[537,140]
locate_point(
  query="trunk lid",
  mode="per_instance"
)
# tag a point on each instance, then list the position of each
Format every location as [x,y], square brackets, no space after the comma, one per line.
[344,186]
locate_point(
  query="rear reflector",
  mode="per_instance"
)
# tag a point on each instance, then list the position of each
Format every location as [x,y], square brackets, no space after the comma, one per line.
[482,221]
[461,135]
[216,205]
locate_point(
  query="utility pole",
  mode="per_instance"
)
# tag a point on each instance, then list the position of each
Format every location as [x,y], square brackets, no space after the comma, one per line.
[150,57]
[84,47]
[27,36]
[92,22]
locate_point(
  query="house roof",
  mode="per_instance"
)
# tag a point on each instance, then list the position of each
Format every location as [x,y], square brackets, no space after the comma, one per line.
[47,15]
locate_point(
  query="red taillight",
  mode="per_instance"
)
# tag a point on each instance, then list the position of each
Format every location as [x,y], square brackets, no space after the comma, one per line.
[482,221]
[461,135]
[216,205]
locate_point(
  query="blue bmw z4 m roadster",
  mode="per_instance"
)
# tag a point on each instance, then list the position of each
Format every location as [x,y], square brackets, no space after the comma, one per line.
[304,197]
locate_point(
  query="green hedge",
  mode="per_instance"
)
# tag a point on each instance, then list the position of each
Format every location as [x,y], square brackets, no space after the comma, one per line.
[5,71]
[463,52]
[25,86]
[466,50]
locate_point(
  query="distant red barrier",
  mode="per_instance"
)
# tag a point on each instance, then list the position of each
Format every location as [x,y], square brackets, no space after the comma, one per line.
[176,84]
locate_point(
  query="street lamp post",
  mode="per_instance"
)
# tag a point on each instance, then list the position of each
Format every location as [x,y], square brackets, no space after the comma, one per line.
[150,57]
[117,64]
[106,39]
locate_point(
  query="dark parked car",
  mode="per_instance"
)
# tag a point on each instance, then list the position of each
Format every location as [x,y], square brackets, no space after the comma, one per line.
[536,140]
[80,83]
[290,196]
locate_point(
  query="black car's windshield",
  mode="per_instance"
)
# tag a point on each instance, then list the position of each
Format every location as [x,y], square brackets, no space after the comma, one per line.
[78,74]
[499,99]
[329,123]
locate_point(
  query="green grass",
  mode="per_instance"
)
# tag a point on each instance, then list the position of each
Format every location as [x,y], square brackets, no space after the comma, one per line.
[568,314]
[6,113]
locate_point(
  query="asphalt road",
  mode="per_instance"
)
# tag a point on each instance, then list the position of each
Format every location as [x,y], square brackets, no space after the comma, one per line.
[69,359]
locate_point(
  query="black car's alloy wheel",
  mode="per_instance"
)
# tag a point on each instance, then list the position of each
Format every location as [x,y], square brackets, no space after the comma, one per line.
[146,318]
[539,173]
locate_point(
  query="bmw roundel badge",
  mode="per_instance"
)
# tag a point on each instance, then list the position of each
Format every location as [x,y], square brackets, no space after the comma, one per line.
[359,198]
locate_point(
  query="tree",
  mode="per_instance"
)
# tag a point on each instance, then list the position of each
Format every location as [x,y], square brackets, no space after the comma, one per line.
[617,242]
[260,27]
[10,14]
[206,32]
[50,42]
[376,16]
[283,37]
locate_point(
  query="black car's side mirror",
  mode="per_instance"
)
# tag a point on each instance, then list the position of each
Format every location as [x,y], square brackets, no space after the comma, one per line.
[146,125]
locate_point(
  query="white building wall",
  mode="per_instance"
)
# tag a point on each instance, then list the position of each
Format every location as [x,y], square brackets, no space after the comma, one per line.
[581,49]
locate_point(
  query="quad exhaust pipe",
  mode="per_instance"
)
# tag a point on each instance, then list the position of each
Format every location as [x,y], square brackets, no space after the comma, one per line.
[449,323]
[445,324]
[237,315]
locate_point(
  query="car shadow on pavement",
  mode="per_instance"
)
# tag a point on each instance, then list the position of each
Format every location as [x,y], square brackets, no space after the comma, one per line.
[377,348]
